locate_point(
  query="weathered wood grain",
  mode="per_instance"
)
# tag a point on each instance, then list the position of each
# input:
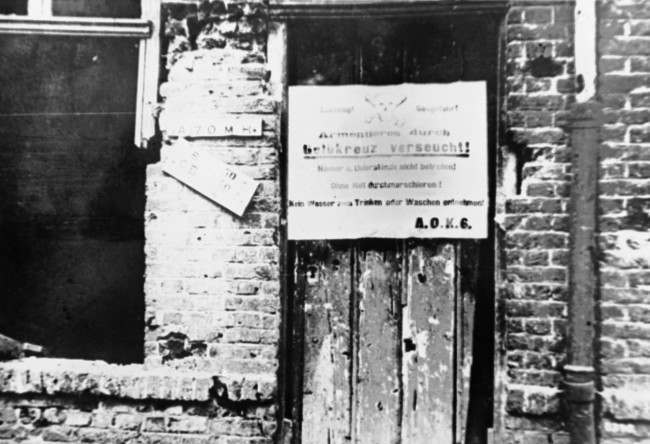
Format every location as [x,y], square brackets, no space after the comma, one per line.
[468,284]
[326,384]
[379,372]
[428,337]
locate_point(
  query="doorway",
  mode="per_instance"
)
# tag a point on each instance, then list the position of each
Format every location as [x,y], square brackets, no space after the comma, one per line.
[391,340]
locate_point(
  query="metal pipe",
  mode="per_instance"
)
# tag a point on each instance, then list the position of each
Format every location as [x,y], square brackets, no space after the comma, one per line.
[579,374]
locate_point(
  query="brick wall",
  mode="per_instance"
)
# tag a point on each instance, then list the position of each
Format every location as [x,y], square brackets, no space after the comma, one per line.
[536,224]
[56,400]
[539,92]
[211,287]
[212,278]
[624,86]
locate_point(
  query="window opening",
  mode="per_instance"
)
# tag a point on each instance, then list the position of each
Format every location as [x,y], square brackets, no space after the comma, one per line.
[72,99]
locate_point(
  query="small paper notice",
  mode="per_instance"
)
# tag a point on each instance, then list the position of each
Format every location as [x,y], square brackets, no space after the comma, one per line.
[209,176]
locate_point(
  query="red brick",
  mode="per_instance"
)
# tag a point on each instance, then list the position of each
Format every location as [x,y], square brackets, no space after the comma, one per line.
[560,257]
[640,28]
[638,9]
[610,28]
[625,46]
[537,240]
[535,377]
[187,424]
[639,170]
[608,64]
[624,187]
[640,135]
[623,83]
[626,330]
[536,103]
[127,421]
[536,32]
[625,152]
[541,15]
[536,274]
[563,13]
[564,49]
[538,205]
[515,16]
[538,326]
[537,85]
[541,189]
[611,349]
[640,64]
[614,133]
[566,86]
[640,99]
[615,101]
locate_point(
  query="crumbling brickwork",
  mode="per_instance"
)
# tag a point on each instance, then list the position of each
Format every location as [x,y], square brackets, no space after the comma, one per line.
[55,400]
[212,279]
[539,93]
[624,86]
[212,289]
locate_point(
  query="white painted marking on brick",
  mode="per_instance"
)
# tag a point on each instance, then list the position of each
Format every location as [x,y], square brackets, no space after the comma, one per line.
[277,59]
[205,125]
[39,8]
[585,47]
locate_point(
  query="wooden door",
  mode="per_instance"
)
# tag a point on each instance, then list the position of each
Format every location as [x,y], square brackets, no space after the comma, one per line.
[378,325]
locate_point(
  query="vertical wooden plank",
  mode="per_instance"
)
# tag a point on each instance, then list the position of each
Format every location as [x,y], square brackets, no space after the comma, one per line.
[378,389]
[325,57]
[467,265]
[428,338]
[326,381]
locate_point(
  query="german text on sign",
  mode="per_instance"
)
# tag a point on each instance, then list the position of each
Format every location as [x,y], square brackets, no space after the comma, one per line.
[205,173]
[388,161]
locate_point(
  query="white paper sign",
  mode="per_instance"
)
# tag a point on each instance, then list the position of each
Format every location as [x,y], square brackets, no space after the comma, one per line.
[211,177]
[388,161]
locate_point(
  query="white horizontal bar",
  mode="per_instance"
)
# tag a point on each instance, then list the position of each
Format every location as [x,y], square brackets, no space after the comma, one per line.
[76,26]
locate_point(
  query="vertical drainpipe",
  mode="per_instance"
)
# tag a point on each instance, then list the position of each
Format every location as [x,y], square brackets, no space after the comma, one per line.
[579,373]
